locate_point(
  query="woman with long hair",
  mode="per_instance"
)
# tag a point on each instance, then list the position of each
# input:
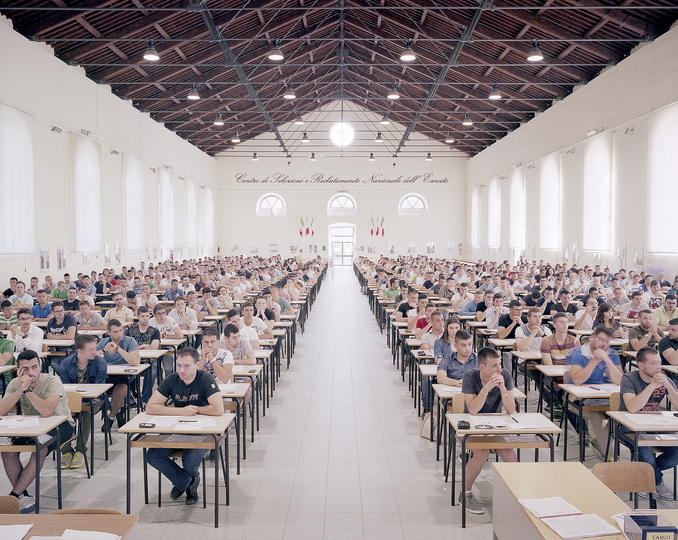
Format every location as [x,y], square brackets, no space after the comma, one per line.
[605,317]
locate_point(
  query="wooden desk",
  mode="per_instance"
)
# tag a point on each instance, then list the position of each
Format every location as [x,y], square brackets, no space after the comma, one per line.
[237,392]
[525,356]
[55,524]
[571,481]
[173,344]
[139,437]
[154,355]
[35,433]
[132,373]
[91,392]
[656,429]
[540,436]
[579,393]
[550,372]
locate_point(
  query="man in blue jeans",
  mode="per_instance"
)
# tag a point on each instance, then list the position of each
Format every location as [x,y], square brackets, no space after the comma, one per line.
[644,390]
[190,392]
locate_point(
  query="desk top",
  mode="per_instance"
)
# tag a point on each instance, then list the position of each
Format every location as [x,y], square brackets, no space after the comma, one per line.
[501,342]
[92,332]
[268,342]
[221,424]
[168,342]
[44,425]
[88,391]
[262,353]
[152,353]
[7,368]
[445,391]
[58,342]
[553,371]
[476,324]
[234,390]
[521,421]
[126,369]
[570,480]
[413,342]
[248,371]
[527,355]
[590,391]
[662,421]
[671,369]
[56,524]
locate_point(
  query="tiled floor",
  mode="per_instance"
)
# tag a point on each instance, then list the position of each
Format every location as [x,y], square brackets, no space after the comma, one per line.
[338,456]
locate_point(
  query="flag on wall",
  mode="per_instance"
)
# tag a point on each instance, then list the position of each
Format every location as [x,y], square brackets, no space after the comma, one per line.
[377,232]
[372,227]
[308,230]
[312,227]
[301,227]
[382,225]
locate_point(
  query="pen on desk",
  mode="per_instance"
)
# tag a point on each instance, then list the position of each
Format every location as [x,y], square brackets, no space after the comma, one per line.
[184,421]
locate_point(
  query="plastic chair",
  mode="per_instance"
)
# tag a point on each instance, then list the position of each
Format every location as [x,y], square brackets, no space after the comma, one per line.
[9,505]
[627,476]
[75,406]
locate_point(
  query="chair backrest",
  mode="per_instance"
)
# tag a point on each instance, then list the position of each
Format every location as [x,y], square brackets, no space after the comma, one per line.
[615,398]
[626,476]
[458,404]
[9,505]
[74,402]
[86,511]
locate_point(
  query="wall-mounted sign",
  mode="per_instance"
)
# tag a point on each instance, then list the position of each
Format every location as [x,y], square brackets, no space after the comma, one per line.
[324,179]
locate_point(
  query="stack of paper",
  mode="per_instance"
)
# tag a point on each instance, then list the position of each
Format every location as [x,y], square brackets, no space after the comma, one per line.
[583,526]
[14,532]
[70,534]
[491,422]
[549,507]
[20,422]
[228,388]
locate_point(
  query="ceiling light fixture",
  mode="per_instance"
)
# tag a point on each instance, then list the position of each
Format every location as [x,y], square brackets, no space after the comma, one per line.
[393,92]
[289,93]
[255,157]
[494,95]
[467,120]
[304,139]
[428,157]
[408,54]
[371,158]
[299,121]
[193,93]
[592,132]
[385,121]
[312,156]
[449,139]
[151,53]
[379,138]
[535,53]
[276,54]
[235,139]
[218,121]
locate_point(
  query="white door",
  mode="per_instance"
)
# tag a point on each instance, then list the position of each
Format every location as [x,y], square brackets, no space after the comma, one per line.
[342,243]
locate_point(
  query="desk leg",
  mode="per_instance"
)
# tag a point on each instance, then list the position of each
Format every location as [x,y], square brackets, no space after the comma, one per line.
[237,444]
[582,428]
[437,428]
[128,473]
[252,406]
[38,448]
[243,412]
[463,482]
[565,420]
[216,482]
[129,398]
[430,407]
[91,431]
[104,409]
[227,472]
[552,447]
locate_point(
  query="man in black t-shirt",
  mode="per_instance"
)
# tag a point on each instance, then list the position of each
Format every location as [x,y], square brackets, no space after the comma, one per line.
[409,307]
[190,392]
[148,338]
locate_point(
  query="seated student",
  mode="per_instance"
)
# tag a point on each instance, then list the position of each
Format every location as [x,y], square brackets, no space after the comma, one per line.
[631,312]
[25,334]
[666,312]
[486,390]
[555,348]
[60,292]
[173,292]
[118,349]
[471,307]
[285,307]
[596,362]
[462,298]
[429,342]
[71,304]
[529,336]
[192,303]
[619,300]
[532,299]
[223,300]
[565,305]
[593,292]
[654,298]
[646,334]
[605,317]
[505,289]
[511,320]
[87,319]
[7,315]
[39,394]
[21,298]
[668,347]
[548,302]
[423,324]
[408,308]
[214,360]
[438,284]
[482,307]
[41,310]
[495,311]
[241,349]
[148,338]
[61,326]
[264,313]
[168,327]
[447,291]
[643,390]
[210,305]
[256,323]
[82,296]
[585,316]
[453,366]
[133,302]
[185,317]
[191,392]
[82,367]
[246,333]
[120,311]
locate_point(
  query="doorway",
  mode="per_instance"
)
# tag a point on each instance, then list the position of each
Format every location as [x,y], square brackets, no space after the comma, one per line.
[342,243]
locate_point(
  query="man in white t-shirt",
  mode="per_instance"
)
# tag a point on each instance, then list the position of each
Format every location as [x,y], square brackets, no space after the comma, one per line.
[185,317]
[168,328]
[250,321]
[21,298]
[246,333]
[529,336]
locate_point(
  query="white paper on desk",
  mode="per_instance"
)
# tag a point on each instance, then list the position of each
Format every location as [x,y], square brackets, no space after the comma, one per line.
[229,388]
[70,534]
[163,421]
[584,526]
[605,387]
[546,507]
[14,532]
[19,422]
[44,438]
[184,438]
[655,419]
[70,387]
[196,423]
[496,422]
[523,425]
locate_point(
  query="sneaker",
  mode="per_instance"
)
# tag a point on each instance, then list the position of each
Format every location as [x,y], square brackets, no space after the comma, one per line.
[26,504]
[176,493]
[77,461]
[472,504]
[107,424]
[642,494]
[66,460]
[598,449]
[664,492]
[121,417]
[192,491]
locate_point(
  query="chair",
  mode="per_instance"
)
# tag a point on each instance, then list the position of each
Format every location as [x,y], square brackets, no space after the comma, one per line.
[86,511]
[75,406]
[627,476]
[9,505]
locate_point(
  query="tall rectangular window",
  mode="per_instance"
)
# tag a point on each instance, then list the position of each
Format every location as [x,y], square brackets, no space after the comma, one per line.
[493,214]
[190,218]
[134,202]
[662,179]
[166,211]
[475,218]
[517,205]
[549,202]
[17,191]
[209,219]
[87,193]
[597,206]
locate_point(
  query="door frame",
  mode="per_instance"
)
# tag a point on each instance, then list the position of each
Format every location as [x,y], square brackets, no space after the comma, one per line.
[332,240]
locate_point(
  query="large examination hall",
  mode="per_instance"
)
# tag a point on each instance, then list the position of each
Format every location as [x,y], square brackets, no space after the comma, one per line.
[338,269]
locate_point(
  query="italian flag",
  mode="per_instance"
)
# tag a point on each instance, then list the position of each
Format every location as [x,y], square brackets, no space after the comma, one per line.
[301,227]
[312,228]
[377,226]
[307,227]
[382,226]
[372,228]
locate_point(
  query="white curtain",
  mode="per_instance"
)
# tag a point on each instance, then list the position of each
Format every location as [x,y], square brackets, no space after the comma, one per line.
[597,200]
[209,219]
[87,193]
[549,202]
[17,191]
[166,210]
[493,214]
[134,203]
[662,180]
[517,205]
[190,218]
[475,218]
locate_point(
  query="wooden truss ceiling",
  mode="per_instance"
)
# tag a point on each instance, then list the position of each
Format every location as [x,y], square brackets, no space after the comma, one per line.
[342,49]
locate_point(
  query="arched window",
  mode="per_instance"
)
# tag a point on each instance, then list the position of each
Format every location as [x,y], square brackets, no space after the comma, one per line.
[342,204]
[271,204]
[412,204]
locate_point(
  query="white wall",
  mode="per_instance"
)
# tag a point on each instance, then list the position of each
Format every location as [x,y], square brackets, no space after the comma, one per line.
[620,98]
[34,81]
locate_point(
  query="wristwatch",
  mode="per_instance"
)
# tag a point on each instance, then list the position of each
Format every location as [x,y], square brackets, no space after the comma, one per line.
[29,389]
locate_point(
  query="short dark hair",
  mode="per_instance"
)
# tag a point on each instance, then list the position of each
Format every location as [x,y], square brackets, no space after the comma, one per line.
[673,322]
[514,303]
[232,313]
[533,310]
[23,311]
[83,339]
[497,295]
[41,291]
[131,295]
[670,297]
[143,309]
[210,332]
[644,354]
[462,335]
[28,354]
[558,315]
[158,307]
[5,303]
[58,303]
[83,303]
[230,329]
[636,293]
[206,290]
[248,304]
[642,311]
[190,351]
[113,323]
[487,353]
[609,332]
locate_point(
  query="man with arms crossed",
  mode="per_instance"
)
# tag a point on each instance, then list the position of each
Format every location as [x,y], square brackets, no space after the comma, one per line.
[643,390]
[486,390]
[190,392]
